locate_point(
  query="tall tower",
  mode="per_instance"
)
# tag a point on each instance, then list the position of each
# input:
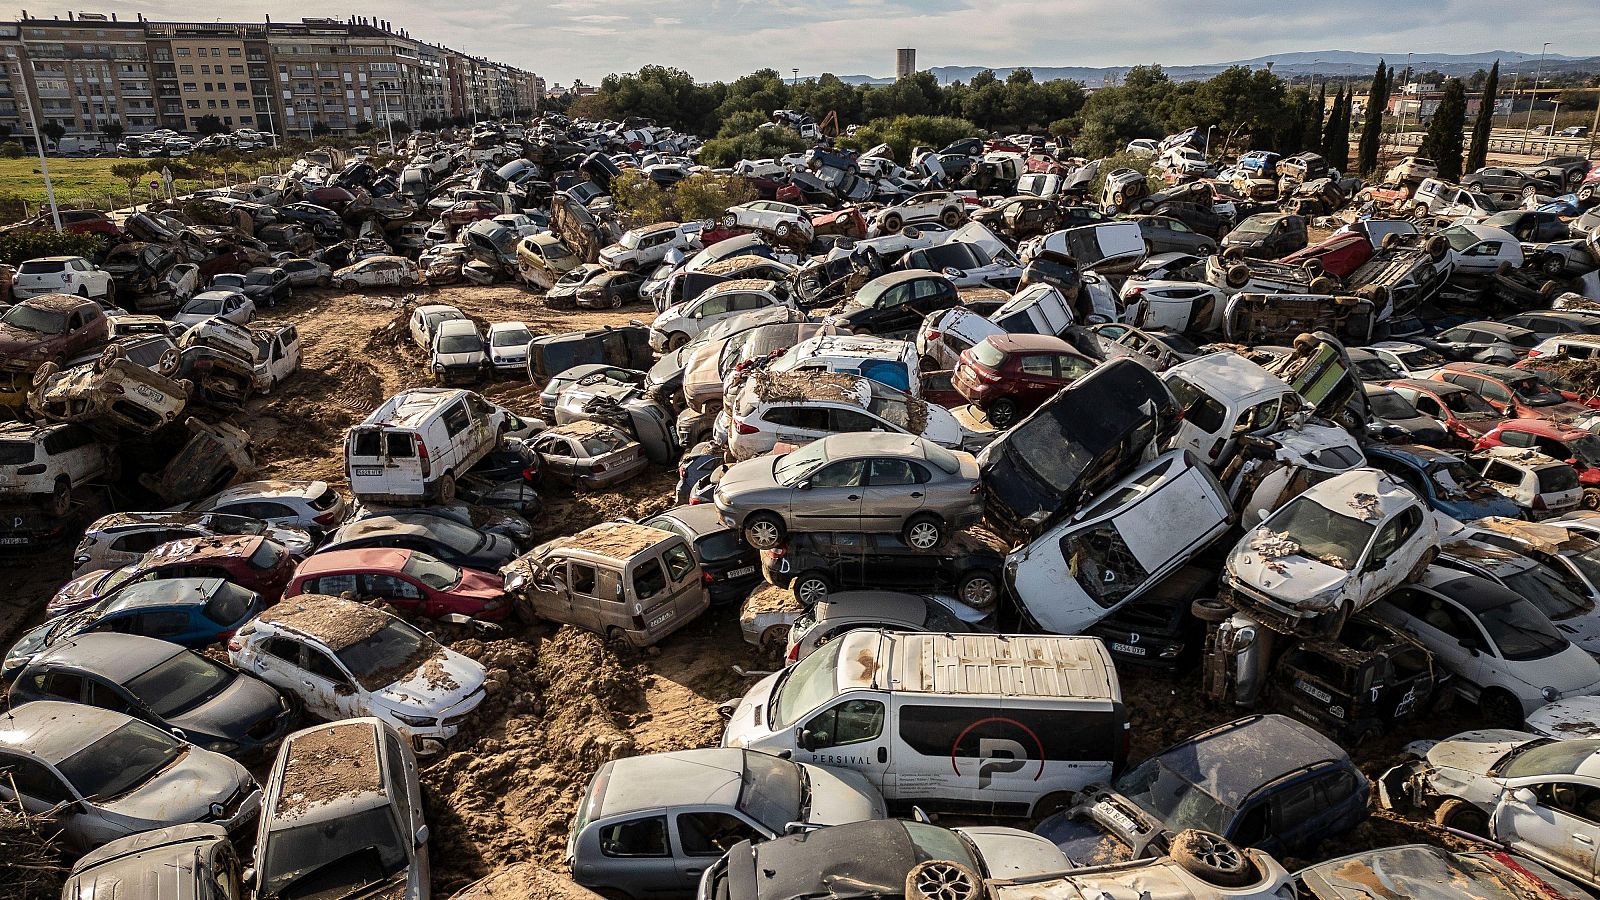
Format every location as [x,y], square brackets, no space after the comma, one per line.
[905,62]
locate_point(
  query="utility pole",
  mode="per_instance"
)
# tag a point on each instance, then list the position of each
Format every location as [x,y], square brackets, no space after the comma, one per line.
[44,169]
[1527,124]
[1515,80]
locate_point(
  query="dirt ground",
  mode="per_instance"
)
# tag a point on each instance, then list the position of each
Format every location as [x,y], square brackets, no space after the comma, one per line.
[560,702]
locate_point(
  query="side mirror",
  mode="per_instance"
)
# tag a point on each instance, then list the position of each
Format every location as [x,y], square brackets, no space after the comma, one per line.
[248,876]
[421,835]
[1394,367]
[804,738]
[1524,796]
[803,486]
[178,733]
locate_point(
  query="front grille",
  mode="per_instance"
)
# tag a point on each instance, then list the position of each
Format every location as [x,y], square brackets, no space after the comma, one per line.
[469,705]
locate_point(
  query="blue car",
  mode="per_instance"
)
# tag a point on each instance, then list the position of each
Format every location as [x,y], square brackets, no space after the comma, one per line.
[1442,480]
[190,612]
[1263,781]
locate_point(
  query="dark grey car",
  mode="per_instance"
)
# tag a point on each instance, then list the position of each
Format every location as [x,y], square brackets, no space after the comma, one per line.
[175,689]
[436,536]
[180,862]
[828,618]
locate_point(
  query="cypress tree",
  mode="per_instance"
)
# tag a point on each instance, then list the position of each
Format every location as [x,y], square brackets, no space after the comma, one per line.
[1443,141]
[1330,134]
[1311,138]
[1372,127]
[1478,153]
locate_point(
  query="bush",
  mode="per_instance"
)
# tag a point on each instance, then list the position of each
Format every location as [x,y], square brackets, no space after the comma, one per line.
[902,133]
[639,200]
[763,143]
[707,195]
[11,150]
[20,246]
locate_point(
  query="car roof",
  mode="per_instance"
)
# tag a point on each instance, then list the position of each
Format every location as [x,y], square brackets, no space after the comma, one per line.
[454,325]
[700,518]
[1543,428]
[116,657]
[1418,452]
[891,605]
[411,407]
[873,443]
[53,730]
[1230,374]
[1033,666]
[1018,343]
[165,592]
[363,558]
[708,777]
[1486,370]
[196,549]
[328,772]
[1425,384]
[1522,457]
[615,541]
[1234,760]
[334,621]
[1339,493]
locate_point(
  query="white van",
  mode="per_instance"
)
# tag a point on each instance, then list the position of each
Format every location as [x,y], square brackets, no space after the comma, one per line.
[988,723]
[1103,247]
[1036,309]
[945,334]
[1123,543]
[412,449]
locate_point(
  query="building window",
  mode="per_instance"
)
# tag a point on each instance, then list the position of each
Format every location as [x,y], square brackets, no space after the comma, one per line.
[208,87]
[216,51]
[236,70]
[211,104]
[241,86]
[234,52]
[183,51]
[186,70]
[189,87]
[193,104]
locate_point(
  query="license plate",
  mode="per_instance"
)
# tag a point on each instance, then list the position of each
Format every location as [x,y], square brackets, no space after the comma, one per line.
[1116,816]
[148,393]
[745,570]
[1129,649]
[12,541]
[1311,690]
[369,471]
[661,619]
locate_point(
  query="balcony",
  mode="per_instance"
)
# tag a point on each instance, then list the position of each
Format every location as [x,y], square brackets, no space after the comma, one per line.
[256,57]
[136,92]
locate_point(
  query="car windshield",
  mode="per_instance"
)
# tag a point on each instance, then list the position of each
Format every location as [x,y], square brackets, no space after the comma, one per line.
[601,444]
[1466,403]
[1171,798]
[1254,227]
[806,685]
[32,318]
[460,343]
[792,468]
[1420,358]
[227,280]
[555,251]
[512,337]
[1533,391]
[179,684]
[1461,240]
[1547,590]
[260,278]
[431,572]
[630,241]
[1321,534]
[964,257]
[203,307]
[867,297]
[1389,405]
[987,355]
[120,761]
[1520,630]
[396,650]
[771,791]
[331,857]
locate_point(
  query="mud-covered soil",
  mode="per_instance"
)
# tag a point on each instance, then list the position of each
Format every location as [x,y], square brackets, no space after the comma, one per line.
[560,702]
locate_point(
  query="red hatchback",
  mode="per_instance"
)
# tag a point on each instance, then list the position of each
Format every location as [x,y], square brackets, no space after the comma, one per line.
[1462,412]
[407,579]
[1576,447]
[1515,393]
[252,562]
[1010,375]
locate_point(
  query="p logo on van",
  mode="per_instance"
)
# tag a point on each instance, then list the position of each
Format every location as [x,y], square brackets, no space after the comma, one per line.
[1002,748]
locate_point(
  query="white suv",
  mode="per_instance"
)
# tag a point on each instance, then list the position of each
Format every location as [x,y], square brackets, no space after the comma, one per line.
[50,461]
[680,324]
[343,660]
[782,219]
[644,247]
[63,275]
[943,207]
[798,408]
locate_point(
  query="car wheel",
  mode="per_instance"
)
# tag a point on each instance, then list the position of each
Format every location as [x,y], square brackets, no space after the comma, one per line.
[951,218]
[775,637]
[1591,498]
[923,532]
[61,497]
[979,590]
[1586,192]
[44,373]
[783,229]
[1211,858]
[730,221]
[447,489]
[942,879]
[1210,610]
[811,588]
[616,301]
[763,530]
[1462,816]
[1553,264]
[619,640]
[892,224]
[1500,708]
[1529,191]
[677,340]
[1002,412]
[323,280]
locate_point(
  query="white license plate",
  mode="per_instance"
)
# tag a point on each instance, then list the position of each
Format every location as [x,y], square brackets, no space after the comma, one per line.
[661,619]
[1115,815]
[12,541]
[746,570]
[1311,690]
[369,471]
[1130,649]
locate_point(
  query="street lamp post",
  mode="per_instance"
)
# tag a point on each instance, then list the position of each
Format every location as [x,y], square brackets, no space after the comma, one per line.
[44,169]
[1207,151]
[1406,80]
[1553,113]
[1515,80]
[1527,124]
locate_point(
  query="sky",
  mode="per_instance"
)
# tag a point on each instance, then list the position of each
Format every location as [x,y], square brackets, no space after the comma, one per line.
[723,39]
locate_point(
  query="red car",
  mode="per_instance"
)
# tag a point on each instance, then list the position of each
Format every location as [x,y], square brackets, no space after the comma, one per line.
[1339,255]
[1462,412]
[1515,393]
[407,579]
[331,197]
[74,221]
[1009,375]
[1576,447]
[252,562]
[1547,368]
[468,211]
[1591,185]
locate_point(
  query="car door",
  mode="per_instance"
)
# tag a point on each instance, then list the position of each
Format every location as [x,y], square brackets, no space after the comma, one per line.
[851,733]
[1036,378]
[586,596]
[1445,629]
[831,499]
[1392,554]
[322,676]
[797,424]
[894,492]
[39,790]
[894,310]
[1556,822]
[636,855]
[558,456]
[702,836]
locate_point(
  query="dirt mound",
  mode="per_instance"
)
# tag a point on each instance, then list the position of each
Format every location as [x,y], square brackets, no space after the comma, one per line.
[526,881]
[570,513]
[556,710]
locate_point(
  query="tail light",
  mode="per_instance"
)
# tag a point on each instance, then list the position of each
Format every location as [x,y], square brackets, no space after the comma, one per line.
[327,518]
[638,623]
[707,577]
[695,500]
[227,636]
[528,473]
[597,467]
[932,334]
[793,655]
[1533,353]
[422,458]
[778,551]
[977,487]
[1538,503]
[200,365]
[742,428]
[1134,292]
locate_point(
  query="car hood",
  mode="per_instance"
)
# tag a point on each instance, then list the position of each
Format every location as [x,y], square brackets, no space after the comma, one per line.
[234,709]
[1575,718]
[431,688]
[669,366]
[1572,671]
[77,593]
[12,339]
[1290,579]
[840,796]
[1011,853]
[183,791]
[1476,752]
[471,357]
[750,475]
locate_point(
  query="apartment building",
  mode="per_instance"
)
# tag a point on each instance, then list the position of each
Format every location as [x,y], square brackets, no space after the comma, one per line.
[317,75]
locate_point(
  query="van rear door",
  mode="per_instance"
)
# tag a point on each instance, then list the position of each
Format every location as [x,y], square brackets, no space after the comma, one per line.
[383,461]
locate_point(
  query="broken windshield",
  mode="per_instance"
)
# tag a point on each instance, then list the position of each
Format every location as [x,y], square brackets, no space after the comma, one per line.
[1322,534]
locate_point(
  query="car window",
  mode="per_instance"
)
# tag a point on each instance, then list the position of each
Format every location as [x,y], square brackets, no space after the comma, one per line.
[1039,365]
[161,623]
[1580,800]
[283,648]
[34,780]
[1296,803]
[332,585]
[648,579]
[712,833]
[1451,620]
[581,578]
[891,472]
[850,722]
[321,664]
[851,420]
[840,474]
[806,417]
[387,585]
[678,561]
[636,837]
[65,686]
[456,419]
[1394,535]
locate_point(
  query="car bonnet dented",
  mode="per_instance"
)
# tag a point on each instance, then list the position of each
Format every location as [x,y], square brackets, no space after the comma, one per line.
[1081,440]
[1430,873]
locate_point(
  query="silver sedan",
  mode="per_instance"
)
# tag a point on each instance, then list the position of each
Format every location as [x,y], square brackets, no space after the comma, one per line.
[857,481]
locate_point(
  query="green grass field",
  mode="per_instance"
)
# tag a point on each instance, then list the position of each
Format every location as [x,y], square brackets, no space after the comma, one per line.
[76,180]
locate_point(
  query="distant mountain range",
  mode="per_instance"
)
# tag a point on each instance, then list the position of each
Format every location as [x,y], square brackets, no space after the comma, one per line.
[1315,62]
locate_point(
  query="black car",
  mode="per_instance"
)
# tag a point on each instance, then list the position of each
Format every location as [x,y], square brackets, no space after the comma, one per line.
[1266,236]
[1530,225]
[266,286]
[694,473]
[1361,687]
[1568,170]
[1080,441]
[897,302]
[1499,180]
[207,703]
[730,565]
[1158,631]
[626,346]
[319,219]
[815,564]
[444,539]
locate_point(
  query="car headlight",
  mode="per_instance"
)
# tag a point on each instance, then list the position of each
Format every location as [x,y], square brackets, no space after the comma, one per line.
[1550,694]
[416,721]
[222,746]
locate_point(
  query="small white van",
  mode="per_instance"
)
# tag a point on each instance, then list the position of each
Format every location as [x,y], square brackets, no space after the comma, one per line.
[1036,309]
[411,450]
[986,723]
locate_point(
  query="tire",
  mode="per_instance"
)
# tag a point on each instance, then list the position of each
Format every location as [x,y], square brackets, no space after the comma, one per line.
[783,229]
[1462,816]
[811,587]
[1552,265]
[892,224]
[1312,267]
[1591,498]
[951,218]
[1322,284]
[1390,239]
[1210,610]
[1437,247]
[677,340]
[1500,708]
[108,357]
[1211,858]
[942,879]
[61,497]
[1529,191]
[44,373]
[1586,192]
[1238,274]
[1116,197]
[775,637]
[447,489]
[1233,253]
[730,221]
[616,301]
[1002,413]
[619,639]
[763,530]
[923,532]
[110,296]
[169,362]
[1549,290]
[979,590]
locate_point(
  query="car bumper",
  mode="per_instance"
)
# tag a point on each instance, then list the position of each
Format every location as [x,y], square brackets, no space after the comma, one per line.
[614,475]
[510,364]
[1271,612]
[658,341]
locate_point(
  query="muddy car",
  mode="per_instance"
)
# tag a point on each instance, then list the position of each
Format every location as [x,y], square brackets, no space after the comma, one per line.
[214,456]
[631,583]
[50,328]
[627,347]
[120,391]
[1371,680]
[377,272]
[141,272]
[1421,872]
[1265,236]
[1403,273]
[1278,318]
